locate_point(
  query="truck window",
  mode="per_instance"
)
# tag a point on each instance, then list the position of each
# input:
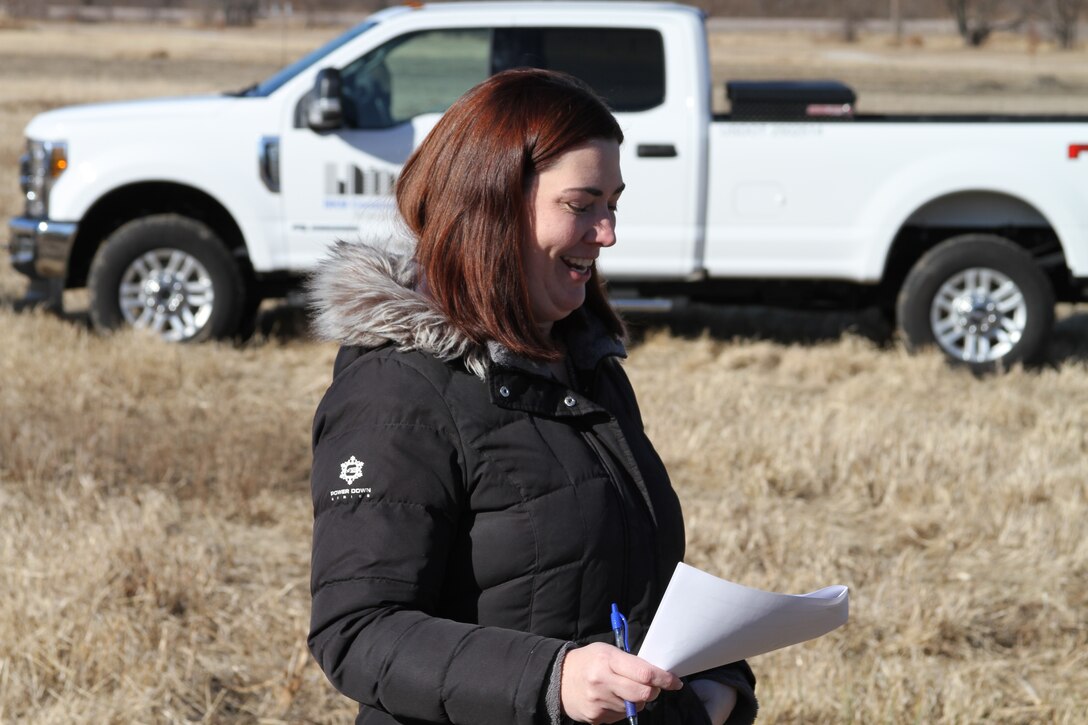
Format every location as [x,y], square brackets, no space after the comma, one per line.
[625,65]
[427,71]
[271,85]
[413,74]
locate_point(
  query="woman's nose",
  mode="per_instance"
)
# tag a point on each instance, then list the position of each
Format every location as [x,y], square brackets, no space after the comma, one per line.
[604,232]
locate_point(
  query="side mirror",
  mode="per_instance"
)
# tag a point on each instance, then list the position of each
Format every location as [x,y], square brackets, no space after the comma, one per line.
[326,111]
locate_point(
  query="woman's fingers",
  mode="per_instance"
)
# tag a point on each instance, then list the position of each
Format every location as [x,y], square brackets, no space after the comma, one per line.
[638,670]
[598,678]
[636,693]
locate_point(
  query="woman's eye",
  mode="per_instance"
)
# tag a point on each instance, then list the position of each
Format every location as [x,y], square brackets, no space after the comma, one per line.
[583,209]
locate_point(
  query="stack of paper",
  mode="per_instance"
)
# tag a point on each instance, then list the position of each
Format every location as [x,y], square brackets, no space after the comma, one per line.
[705,622]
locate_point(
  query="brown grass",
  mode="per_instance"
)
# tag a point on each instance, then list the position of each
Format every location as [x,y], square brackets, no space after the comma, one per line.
[155,527]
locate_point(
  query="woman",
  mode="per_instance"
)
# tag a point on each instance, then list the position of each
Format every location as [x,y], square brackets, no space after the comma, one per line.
[483,488]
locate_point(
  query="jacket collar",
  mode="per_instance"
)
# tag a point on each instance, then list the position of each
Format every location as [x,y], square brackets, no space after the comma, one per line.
[365,296]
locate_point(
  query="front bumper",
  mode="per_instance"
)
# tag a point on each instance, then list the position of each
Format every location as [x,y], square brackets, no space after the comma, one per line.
[40,248]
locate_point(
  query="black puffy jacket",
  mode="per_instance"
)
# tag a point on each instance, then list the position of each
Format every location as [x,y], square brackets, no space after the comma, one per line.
[472,515]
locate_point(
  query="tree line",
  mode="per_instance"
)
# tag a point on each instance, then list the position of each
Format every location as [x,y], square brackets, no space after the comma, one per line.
[976,20]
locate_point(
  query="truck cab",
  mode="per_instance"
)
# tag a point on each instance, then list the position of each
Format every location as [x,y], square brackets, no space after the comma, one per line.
[181,214]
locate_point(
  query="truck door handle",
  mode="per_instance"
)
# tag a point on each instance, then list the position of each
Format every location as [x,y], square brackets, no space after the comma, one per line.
[268,163]
[657,150]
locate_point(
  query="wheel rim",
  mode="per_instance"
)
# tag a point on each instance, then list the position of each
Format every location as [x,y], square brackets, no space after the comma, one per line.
[168,292]
[978,315]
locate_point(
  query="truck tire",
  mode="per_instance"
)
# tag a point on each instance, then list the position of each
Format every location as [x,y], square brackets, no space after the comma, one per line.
[981,299]
[168,274]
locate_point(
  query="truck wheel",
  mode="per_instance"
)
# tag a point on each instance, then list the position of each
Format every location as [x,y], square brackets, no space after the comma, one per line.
[981,299]
[168,274]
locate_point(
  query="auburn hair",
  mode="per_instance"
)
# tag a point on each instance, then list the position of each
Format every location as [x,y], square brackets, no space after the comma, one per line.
[462,193]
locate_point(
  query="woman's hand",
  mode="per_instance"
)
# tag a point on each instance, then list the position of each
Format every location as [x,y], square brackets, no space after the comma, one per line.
[718,699]
[598,678]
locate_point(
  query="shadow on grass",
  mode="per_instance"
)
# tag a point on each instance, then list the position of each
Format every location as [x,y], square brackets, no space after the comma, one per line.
[1068,344]
[784,326]
[276,320]
[280,322]
[1069,340]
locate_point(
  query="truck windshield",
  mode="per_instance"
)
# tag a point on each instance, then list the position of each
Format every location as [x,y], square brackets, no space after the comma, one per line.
[270,85]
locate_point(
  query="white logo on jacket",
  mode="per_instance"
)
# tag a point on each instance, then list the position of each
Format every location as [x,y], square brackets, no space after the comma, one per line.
[351,470]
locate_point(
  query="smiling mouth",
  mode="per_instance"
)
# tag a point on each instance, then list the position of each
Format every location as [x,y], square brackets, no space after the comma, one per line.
[579,264]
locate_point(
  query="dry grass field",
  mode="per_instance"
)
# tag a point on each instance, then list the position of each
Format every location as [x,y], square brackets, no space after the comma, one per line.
[154,504]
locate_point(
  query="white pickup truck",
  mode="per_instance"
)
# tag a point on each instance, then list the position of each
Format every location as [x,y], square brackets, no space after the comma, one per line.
[180,215]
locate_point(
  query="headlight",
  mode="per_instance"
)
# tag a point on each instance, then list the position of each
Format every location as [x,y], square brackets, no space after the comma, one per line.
[43,163]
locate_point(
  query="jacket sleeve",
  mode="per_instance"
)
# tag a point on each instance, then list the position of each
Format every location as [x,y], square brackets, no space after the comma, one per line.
[388,489]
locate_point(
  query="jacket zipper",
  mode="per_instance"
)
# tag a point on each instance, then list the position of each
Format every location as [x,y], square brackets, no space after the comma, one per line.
[603,457]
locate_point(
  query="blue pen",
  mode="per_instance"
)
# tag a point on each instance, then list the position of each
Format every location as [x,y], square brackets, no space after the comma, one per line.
[619,631]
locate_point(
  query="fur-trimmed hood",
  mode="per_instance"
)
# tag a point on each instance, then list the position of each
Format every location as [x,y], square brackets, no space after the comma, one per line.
[366,296]
[363,295]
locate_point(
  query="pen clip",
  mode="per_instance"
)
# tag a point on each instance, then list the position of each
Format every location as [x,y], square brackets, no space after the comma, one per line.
[620,622]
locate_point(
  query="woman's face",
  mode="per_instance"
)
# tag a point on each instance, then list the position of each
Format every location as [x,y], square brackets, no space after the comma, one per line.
[572,215]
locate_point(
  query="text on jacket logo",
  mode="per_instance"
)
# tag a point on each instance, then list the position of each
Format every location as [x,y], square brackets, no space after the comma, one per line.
[350,471]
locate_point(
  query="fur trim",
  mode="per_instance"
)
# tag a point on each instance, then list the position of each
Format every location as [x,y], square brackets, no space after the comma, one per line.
[364,295]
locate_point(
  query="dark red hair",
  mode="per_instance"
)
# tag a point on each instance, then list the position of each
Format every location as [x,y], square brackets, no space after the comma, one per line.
[462,193]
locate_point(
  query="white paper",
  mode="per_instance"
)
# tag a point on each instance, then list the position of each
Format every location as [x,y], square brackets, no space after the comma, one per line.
[705,622]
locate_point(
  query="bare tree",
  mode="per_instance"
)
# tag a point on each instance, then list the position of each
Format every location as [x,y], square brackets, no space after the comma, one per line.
[240,12]
[155,8]
[976,20]
[25,9]
[1064,16]
[853,13]
[231,12]
[895,17]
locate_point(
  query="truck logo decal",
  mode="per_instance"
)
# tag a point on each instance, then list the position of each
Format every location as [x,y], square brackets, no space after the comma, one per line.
[350,180]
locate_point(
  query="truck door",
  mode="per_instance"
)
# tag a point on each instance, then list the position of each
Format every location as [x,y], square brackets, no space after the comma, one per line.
[339,184]
[659,214]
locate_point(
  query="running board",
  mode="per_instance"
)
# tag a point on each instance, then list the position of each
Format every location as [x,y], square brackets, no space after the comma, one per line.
[644,305]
